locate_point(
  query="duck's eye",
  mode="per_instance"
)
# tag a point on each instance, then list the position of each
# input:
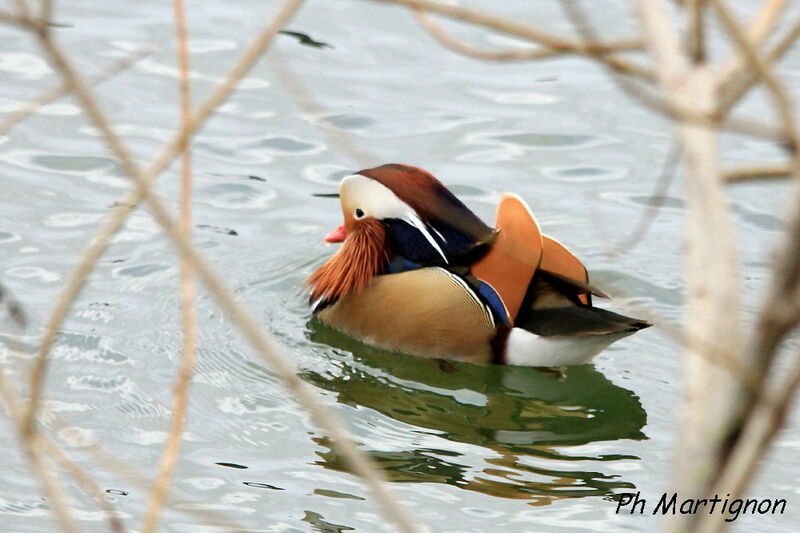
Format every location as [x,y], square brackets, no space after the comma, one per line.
[358,213]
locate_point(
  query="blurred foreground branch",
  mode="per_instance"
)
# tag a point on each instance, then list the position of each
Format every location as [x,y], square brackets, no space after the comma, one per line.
[169,457]
[728,417]
[267,347]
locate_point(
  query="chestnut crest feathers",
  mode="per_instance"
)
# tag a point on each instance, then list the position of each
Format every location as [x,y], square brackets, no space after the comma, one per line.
[429,198]
[437,226]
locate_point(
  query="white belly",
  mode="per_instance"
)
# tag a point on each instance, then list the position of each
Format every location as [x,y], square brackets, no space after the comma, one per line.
[527,349]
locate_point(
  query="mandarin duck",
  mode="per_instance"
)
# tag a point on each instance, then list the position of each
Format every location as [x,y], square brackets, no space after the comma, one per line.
[419,273]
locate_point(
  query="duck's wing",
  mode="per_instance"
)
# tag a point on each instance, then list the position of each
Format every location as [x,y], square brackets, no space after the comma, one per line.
[579,321]
[559,261]
[511,261]
[542,286]
[550,310]
[579,292]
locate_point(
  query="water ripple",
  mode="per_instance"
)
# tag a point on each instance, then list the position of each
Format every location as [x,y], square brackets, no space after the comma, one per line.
[24,66]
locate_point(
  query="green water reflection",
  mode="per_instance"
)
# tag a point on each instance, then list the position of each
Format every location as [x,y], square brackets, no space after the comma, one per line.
[533,426]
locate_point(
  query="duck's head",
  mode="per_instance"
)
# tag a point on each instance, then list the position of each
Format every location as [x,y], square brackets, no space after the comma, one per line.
[394,211]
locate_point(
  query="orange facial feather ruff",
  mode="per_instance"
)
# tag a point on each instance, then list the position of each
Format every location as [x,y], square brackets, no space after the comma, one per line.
[362,256]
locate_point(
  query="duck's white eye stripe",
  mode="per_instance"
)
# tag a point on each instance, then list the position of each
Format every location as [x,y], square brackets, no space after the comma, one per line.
[372,197]
[415,221]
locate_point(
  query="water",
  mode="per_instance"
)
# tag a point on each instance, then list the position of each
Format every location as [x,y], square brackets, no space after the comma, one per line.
[471,449]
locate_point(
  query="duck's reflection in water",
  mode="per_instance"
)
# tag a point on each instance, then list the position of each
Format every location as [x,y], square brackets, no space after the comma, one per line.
[537,423]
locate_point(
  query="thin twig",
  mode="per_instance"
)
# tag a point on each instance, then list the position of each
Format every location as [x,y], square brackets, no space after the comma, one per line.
[731,90]
[751,432]
[783,105]
[768,15]
[45,11]
[587,32]
[301,93]
[169,457]
[31,107]
[447,40]
[659,196]
[768,416]
[524,31]
[645,222]
[54,494]
[696,40]
[111,463]
[756,172]
[776,321]
[113,223]
[269,349]
[602,51]
[266,346]
[668,107]
[85,481]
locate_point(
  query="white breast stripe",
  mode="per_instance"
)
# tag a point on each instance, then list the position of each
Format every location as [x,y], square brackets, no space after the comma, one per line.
[472,294]
[415,221]
[372,197]
[436,231]
[315,303]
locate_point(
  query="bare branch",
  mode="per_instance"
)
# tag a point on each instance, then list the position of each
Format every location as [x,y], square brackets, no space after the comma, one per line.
[782,104]
[735,86]
[266,346]
[666,106]
[765,171]
[98,244]
[767,417]
[54,94]
[20,19]
[301,93]
[517,29]
[447,40]
[169,457]
[602,51]
[765,21]
[85,481]
[711,268]
[696,40]
[43,472]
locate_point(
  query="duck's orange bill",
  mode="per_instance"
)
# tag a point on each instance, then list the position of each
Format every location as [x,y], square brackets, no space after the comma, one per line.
[336,235]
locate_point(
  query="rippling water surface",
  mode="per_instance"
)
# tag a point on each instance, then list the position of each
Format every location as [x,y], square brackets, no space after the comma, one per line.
[472,449]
